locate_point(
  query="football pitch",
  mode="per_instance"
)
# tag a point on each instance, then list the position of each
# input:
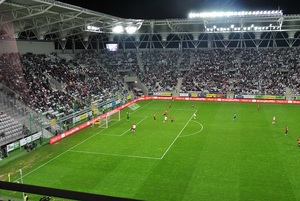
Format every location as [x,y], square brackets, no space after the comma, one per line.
[212,157]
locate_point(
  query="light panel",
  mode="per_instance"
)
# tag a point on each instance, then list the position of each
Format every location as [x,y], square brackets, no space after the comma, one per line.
[131,29]
[91,28]
[233,28]
[235,14]
[118,29]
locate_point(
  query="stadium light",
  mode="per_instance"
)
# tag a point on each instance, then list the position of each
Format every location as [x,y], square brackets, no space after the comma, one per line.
[235,14]
[242,28]
[131,29]
[130,26]
[118,29]
[91,28]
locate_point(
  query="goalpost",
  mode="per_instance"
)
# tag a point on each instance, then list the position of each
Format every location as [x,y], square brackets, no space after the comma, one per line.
[114,115]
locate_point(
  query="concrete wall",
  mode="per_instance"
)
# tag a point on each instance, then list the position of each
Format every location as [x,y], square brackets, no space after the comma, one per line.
[37,47]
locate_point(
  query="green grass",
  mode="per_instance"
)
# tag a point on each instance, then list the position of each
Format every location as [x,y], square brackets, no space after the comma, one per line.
[212,157]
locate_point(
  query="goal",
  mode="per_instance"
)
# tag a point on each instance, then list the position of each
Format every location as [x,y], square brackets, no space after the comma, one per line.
[110,116]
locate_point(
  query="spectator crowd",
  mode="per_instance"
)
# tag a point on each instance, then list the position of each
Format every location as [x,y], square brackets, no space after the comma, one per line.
[48,82]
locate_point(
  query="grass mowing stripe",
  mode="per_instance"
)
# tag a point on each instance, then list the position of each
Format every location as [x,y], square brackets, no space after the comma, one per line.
[121,155]
[177,136]
[70,149]
[175,109]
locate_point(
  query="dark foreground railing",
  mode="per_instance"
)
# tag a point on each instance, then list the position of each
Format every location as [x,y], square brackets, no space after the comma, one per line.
[67,194]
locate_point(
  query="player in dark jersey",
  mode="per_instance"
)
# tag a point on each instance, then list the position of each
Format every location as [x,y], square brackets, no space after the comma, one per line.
[172,119]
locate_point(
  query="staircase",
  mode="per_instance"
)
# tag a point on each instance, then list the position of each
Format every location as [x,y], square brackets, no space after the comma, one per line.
[192,60]
[140,62]
[179,83]
[179,61]
[288,94]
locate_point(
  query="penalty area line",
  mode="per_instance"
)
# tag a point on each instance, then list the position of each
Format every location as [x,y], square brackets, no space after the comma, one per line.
[177,136]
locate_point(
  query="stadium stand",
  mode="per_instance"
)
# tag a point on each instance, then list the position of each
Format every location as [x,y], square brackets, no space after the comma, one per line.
[161,70]
[58,87]
[247,71]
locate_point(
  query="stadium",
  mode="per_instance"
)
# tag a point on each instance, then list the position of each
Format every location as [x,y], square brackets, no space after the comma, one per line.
[99,107]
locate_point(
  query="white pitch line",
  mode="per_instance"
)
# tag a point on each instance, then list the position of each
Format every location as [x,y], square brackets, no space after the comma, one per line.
[24,175]
[136,124]
[194,132]
[120,155]
[177,136]
[56,157]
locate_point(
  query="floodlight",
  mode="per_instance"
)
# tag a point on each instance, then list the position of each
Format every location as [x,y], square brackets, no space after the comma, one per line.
[192,15]
[91,28]
[118,29]
[131,29]
[230,14]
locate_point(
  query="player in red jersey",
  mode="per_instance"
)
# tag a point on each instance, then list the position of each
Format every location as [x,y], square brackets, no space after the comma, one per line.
[154,117]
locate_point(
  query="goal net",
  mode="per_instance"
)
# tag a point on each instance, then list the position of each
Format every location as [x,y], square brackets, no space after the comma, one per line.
[111,116]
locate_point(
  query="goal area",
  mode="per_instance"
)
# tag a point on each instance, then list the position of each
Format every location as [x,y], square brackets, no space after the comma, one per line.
[111,116]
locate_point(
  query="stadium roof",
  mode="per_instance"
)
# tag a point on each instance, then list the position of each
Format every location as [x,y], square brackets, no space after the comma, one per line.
[53,20]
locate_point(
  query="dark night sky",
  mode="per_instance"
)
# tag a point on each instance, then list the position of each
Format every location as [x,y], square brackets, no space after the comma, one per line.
[164,9]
